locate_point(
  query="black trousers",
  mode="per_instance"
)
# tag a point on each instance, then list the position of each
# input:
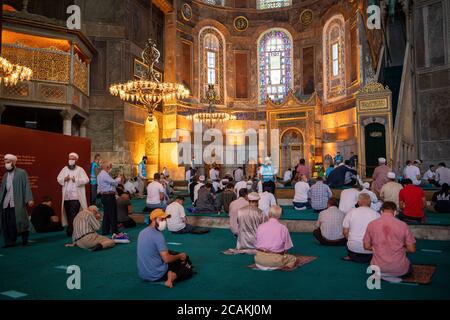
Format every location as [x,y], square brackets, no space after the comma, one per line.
[183,269]
[93,194]
[52,227]
[109,223]
[72,207]
[9,228]
[359,257]
[130,223]
[325,242]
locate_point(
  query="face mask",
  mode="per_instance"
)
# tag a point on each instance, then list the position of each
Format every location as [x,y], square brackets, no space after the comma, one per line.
[71,162]
[162,225]
[9,166]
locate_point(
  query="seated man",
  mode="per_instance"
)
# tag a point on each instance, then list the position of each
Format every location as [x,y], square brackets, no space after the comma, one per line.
[266,200]
[85,225]
[177,222]
[249,218]
[240,185]
[373,197]
[301,194]
[124,209]
[355,225]
[329,230]
[155,194]
[225,198]
[287,178]
[391,190]
[205,200]
[441,200]
[272,242]
[44,218]
[390,240]
[319,194]
[412,202]
[154,261]
[130,187]
[234,208]
[200,182]
[349,198]
[336,178]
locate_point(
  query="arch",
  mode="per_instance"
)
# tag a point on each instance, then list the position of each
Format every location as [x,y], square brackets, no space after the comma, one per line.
[334,50]
[275,75]
[152,146]
[292,148]
[212,64]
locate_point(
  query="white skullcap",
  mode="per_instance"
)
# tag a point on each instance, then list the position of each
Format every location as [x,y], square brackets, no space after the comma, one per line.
[381,160]
[249,182]
[391,175]
[267,160]
[253,196]
[366,185]
[10,157]
[73,154]
[201,178]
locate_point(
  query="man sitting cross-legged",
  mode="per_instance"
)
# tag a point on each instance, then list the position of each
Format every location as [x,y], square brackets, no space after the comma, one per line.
[390,240]
[355,224]
[249,218]
[85,225]
[178,223]
[154,261]
[234,208]
[272,242]
[329,230]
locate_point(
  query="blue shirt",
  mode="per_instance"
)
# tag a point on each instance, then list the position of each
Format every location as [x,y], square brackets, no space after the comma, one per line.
[106,183]
[267,173]
[150,265]
[94,166]
[142,169]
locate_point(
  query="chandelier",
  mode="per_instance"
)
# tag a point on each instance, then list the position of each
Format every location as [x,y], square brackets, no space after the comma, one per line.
[211,117]
[149,91]
[10,73]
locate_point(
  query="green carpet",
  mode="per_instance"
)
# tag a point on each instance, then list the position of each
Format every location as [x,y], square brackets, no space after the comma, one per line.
[111,274]
[289,213]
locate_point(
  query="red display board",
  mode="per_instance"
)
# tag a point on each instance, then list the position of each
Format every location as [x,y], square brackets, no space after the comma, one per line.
[43,155]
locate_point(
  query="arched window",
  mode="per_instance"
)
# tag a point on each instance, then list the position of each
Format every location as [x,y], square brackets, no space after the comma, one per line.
[275,65]
[334,58]
[271,4]
[212,64]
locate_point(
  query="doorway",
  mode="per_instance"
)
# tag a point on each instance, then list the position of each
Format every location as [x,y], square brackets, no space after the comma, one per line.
[375,140]
[291,149]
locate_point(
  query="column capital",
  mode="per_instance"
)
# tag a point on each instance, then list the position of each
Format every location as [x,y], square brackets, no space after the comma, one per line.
[67,114]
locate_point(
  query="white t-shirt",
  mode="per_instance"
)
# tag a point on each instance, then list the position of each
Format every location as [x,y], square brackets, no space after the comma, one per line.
[356,221]
[443,175]
[175,222]
[287,175]
[240,185]
[129,187]
[348,199]
[266,200]
[301,192]
[411,172]
[153,191]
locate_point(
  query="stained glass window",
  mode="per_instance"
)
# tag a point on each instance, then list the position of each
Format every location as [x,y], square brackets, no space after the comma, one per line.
[335,58]
[272,4]
[275,65]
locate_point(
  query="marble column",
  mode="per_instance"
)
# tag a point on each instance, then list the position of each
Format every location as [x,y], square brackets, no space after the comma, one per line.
[83,128]
[67,116]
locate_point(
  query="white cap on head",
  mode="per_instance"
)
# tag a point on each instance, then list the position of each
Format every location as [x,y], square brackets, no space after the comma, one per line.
[201,178]
[267,160]
[381,160]
[10,157]
[391,175]
[249,182]
[253,196]
[73,154]
[366,185]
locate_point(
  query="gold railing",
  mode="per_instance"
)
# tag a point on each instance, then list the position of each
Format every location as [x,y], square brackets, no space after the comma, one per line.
[50,64]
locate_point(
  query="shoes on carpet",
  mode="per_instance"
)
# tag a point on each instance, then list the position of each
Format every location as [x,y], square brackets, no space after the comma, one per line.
[121,238]
[300,209]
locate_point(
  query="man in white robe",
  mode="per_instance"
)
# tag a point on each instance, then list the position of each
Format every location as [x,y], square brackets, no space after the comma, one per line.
[73,180]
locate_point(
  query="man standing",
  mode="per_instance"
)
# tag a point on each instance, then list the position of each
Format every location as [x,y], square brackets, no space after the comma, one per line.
[391,190]
[355,225]
[15,195]
[154,260]
[73,180]
[249,218]
[338,158]
[267,174]
[380,175]
[107,189]
[142,175]
[234,208]
[390,240]
[95,170]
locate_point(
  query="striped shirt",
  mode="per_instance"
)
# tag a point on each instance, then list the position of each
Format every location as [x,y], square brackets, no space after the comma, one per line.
[83,224]
[9,196]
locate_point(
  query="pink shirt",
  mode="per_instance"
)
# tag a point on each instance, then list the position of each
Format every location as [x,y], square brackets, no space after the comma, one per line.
[273,236]
[388,237]
[301,169]
[380,177]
